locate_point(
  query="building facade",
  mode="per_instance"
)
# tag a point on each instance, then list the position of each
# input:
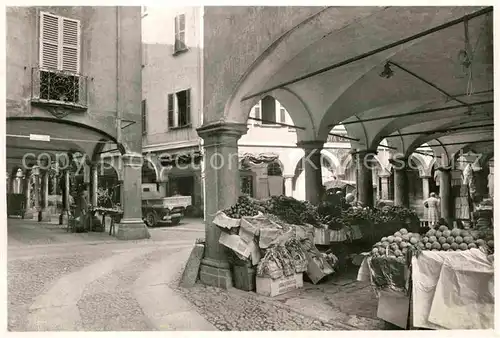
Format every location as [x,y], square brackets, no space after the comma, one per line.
[172,101]
[71,89]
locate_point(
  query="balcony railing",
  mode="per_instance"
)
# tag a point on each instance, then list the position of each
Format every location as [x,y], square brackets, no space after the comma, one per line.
[58,88]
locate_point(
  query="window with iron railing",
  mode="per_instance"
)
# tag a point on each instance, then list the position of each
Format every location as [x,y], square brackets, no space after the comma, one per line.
[58,79]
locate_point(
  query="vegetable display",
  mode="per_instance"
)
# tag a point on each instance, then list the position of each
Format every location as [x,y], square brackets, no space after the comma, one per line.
[439,239]
[243,207]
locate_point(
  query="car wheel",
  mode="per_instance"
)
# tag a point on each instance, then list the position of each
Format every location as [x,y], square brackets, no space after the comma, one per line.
[151,219]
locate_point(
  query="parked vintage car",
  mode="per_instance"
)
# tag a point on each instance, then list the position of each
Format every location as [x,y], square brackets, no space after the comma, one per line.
[158,209]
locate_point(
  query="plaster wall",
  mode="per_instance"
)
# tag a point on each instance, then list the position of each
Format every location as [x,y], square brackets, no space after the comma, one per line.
[108,90]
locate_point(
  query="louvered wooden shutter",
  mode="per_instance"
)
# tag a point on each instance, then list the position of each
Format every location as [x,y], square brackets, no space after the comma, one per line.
[49,41]
[180,32]
[59,43]
[170,110]
[70,49]
[188,106]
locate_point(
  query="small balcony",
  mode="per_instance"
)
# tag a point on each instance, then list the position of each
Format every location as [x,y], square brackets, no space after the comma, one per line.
[58,89]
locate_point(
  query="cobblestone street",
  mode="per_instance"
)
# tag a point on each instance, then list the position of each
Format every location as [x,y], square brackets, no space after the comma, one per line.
[93,282]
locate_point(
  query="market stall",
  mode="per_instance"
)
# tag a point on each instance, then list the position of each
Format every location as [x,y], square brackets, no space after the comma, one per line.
[268,237]
[272,244]
[442,279]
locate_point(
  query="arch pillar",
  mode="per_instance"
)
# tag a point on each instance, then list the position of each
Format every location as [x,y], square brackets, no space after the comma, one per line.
[44,213]
[384,187]
[365,163]
[312,169]
[222,186]
[288,185]
[401,193]
[425,186]
[445,193]
[94,181]
[28,213]
[131,226]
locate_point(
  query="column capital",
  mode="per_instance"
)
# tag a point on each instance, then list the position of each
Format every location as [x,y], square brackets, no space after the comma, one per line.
[35,170]
[288,176]
[222,128]
[132,160]
[310,145]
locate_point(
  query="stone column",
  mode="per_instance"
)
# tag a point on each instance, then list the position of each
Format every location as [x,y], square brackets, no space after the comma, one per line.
[401,193]
[425,186]
[288,185]
[28,213]
[312,170]
[18,182]
[364,166]
[222,188]
[63,218]
[94,181]
[445,194]
[44,213]
[36,192]
[384,187]
[131,225]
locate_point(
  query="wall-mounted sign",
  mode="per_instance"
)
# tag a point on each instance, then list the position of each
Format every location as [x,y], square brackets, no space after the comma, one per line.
[37,137]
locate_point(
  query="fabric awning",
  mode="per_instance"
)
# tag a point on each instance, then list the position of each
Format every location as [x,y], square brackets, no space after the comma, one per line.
[338,184]
[258,158]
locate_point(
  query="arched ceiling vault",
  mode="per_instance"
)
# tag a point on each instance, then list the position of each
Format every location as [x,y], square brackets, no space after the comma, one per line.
[447,147]
[408,139]
[326,38]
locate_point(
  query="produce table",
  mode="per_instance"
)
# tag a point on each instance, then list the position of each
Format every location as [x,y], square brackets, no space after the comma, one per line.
[448,290]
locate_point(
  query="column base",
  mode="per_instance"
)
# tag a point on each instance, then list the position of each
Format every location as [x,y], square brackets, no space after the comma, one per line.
[44,216]
[29,213]
[130,229]
[63,218]
[216,273]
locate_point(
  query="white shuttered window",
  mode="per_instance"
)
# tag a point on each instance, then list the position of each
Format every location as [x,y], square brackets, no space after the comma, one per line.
[59,43]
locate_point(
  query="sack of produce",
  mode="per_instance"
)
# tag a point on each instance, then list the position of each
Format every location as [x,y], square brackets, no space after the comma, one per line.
[270,265]
[298,254]
[317,266]
[286,260]
[268,236]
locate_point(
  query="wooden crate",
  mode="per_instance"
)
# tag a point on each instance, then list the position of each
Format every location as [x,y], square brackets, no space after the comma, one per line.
[244,278]
[266,286]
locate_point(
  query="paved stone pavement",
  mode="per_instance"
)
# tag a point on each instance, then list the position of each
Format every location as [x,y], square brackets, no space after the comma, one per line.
[92,282]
